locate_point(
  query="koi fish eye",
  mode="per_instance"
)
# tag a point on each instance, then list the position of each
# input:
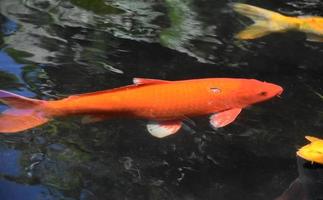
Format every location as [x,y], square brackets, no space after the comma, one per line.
[263,93]
[215,90]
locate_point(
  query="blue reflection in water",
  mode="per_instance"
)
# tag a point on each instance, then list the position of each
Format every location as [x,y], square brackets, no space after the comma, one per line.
[14,191]
[9,159]
[9,27]
[9,65]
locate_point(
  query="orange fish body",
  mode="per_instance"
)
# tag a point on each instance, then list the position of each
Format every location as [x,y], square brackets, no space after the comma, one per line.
[266,22]
[167,103]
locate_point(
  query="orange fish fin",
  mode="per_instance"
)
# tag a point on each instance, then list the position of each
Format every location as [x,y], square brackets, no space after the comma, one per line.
[22,113]
[141,81]
[224,118]
[88,119]
[137,82]
[102,91]
[164,128]
[252,32]
[15,120]
[311,138]
[16,101]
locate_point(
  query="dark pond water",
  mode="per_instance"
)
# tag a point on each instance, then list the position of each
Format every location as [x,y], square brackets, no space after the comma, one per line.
[54,48]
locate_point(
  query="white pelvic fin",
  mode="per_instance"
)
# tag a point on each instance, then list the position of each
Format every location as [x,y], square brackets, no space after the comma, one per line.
[164,128]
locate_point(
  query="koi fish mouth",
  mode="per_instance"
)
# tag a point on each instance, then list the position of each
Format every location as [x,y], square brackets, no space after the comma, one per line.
[312,156]
[280,91]
[273,89]
[312,152]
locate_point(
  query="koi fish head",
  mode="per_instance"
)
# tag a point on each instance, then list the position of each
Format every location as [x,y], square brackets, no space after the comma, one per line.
[312,152]
[254,91]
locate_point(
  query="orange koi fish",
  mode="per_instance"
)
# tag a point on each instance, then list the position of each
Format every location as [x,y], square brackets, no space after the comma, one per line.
[312,152]
[165,103]
[266,22]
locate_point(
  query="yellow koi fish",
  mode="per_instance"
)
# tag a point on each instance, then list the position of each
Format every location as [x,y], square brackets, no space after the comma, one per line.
[266,22]
[312,152]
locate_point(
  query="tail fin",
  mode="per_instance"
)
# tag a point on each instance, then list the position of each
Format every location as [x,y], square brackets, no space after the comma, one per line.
[265,21]
[23,113]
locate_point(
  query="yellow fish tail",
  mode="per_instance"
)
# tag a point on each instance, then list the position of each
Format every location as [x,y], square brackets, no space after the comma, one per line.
[265,21]
[252,32]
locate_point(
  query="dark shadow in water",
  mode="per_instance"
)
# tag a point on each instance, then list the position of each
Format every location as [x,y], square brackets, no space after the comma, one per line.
[309,184]
[13,191]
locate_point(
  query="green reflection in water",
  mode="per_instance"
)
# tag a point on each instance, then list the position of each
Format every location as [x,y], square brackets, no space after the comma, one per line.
[186,32]
[8,81]
[1,38]
[182,23]
[37,80]
[61,163]
[19,56]
[1,34]
[64,174]
[97,6]
[319,95]
[315,92]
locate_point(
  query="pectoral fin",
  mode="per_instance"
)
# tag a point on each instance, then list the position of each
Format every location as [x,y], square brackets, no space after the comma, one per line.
[314,38]
[224,118]
[88,119]
[164,128]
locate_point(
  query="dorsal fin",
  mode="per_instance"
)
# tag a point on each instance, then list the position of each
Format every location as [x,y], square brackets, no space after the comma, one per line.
[311,138]
[103,91]
[144,81]
[137,83]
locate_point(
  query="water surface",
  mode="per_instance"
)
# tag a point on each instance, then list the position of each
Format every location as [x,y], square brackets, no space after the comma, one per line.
[52,48]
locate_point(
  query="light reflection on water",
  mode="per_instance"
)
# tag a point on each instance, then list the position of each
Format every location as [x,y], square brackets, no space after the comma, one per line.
[58,48]
[14,191]
[10,159]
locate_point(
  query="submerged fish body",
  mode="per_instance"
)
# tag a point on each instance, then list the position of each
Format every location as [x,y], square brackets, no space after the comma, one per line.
[312,152]
[266,22]
[165,103]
